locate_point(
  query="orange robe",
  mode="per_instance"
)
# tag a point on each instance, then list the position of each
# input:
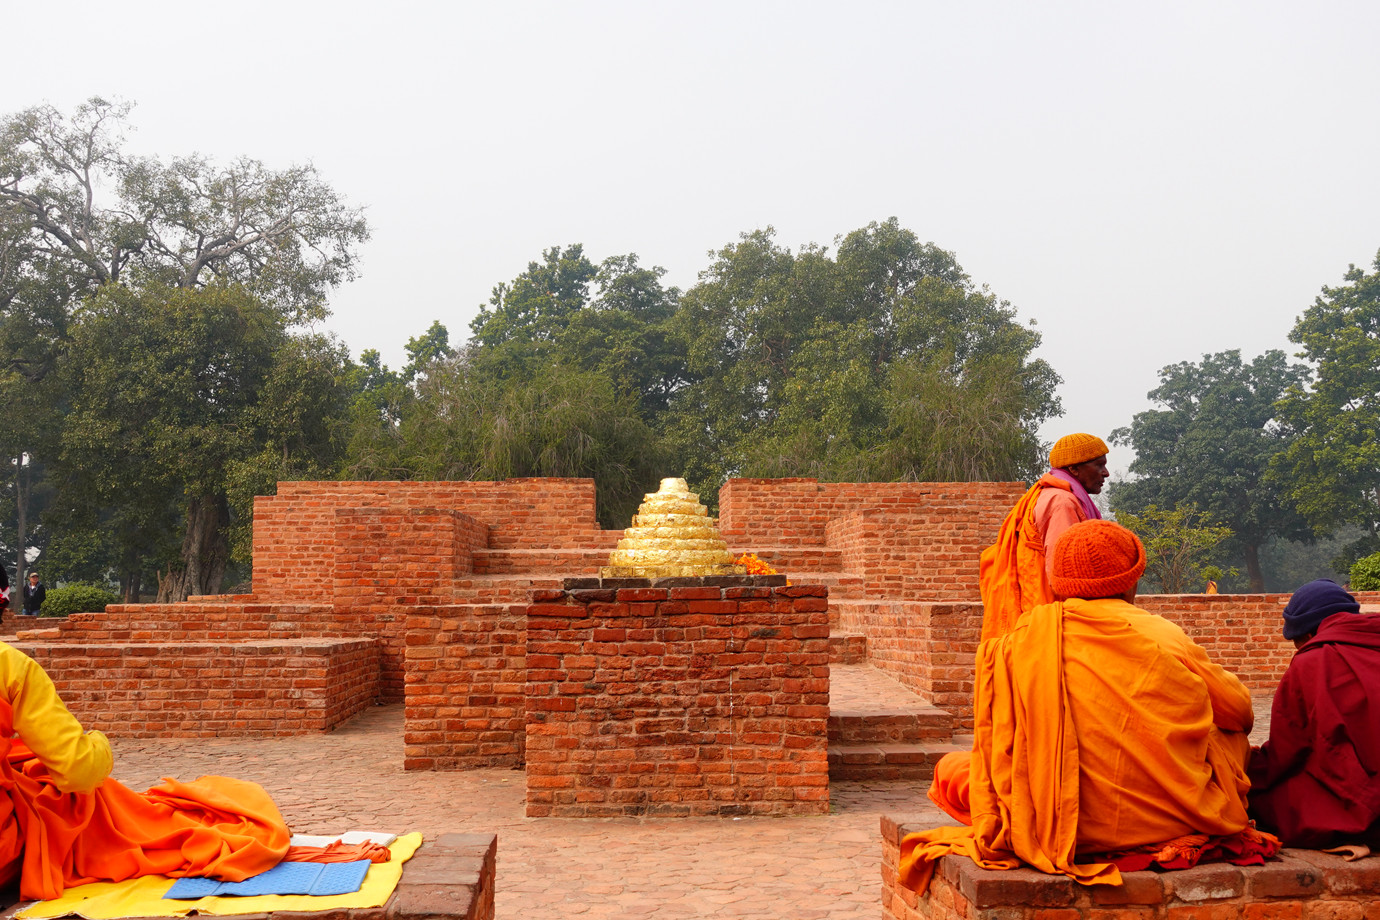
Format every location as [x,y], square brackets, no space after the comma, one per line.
[63,822]
[1013,573]
[1099,728]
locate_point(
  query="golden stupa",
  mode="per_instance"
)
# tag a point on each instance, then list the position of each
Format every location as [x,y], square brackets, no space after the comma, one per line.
[672,535]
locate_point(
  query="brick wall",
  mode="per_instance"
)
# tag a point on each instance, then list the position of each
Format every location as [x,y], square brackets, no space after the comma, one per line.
[1241,632]
[465,673]
[928,647]
[693,697]
[294,530]
[771,512]
[930,556]
[174,688]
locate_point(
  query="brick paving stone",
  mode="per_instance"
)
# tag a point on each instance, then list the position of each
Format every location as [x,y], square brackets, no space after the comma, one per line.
[822,867]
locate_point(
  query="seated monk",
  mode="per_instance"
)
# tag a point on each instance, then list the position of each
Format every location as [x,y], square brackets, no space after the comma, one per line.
[1104,738]
[1013,573]
[1316,782]
[63,822]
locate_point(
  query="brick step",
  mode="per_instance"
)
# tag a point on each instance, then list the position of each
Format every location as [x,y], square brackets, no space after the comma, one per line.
[888,761]
[504,589]
[846,648]
[230,688]
[570,562]
[901,726]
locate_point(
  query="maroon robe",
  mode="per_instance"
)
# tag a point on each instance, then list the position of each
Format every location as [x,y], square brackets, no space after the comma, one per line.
[1316,782]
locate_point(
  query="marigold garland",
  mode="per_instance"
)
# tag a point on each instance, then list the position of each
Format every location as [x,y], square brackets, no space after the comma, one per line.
[754,565]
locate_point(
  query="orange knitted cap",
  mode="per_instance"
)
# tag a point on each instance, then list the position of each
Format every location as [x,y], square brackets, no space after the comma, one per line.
[1076,448]
[1097,559]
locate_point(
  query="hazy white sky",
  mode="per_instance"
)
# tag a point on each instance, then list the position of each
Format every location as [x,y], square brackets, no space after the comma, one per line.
[1148,182]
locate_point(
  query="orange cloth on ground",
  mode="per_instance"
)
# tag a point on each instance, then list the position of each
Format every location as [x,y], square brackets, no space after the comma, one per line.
[64,823]
[1013,573]
[1099,728]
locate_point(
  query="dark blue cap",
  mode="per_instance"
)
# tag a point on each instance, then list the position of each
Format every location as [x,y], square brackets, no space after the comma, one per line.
[1313,603]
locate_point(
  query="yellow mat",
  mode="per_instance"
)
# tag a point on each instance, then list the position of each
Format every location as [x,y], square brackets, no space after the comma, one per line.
[143,897]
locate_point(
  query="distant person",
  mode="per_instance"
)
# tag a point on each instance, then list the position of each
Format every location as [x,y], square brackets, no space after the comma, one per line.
[4,589]
[34,593]
[1316,781]
[1014,572]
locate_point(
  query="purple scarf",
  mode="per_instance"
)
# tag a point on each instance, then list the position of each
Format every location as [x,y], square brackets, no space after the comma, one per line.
[1090,512]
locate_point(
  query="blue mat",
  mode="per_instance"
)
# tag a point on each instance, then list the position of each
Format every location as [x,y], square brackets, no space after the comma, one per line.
[284,878]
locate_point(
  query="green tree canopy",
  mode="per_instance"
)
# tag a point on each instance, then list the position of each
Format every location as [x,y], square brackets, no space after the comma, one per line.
[1180,544]
[179,397]
[1331,469]
[1210,446]
[869,364]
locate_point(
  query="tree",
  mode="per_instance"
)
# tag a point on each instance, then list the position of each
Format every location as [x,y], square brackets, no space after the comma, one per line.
[1211,446]
[176,398]
[1179,545]
[465,423]
[79,215]
[284,235]
[1331,470]
[864,365]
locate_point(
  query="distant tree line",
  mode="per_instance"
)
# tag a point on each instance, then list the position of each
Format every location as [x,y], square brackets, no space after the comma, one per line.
[1279,454]
[161,365]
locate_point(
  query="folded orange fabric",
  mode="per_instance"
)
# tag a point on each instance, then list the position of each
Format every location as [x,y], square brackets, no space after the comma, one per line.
[339,852]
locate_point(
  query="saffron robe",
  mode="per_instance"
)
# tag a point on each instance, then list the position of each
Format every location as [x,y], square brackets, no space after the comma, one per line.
[63,822]
[1316,782]
[1099,728]
[1013,573]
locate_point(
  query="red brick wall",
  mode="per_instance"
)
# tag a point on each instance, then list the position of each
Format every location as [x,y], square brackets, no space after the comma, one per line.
[174,688]
[1241,632]
[928,647]
[294,530]
[914,556]
[771,512]
[465,673]
[707,699]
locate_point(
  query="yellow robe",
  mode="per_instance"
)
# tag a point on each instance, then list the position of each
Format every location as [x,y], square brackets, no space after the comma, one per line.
[1099,728]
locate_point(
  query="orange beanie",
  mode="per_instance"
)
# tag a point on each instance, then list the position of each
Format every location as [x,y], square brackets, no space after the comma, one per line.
[1076,448]
[1097,559]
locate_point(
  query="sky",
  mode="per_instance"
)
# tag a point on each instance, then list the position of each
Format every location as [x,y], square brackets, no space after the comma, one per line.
[1147,183]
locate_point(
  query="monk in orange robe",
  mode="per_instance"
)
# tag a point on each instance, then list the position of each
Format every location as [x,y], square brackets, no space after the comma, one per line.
[64,822]
[1013,572]
[1105,738]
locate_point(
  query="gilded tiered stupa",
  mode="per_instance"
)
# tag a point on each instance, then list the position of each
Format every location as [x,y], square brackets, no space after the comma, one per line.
[672,535]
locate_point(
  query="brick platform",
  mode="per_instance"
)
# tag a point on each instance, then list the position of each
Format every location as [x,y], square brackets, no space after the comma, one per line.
[210,689]
[693,696]
[1302,884]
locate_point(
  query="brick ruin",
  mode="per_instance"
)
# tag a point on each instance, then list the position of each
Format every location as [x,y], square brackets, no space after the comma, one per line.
[474,604]
[419,592]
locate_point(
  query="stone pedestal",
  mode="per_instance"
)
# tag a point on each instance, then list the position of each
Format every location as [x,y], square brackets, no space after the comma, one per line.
[678,696]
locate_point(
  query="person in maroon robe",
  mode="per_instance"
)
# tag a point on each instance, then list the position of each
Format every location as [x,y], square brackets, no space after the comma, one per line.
[1316,782]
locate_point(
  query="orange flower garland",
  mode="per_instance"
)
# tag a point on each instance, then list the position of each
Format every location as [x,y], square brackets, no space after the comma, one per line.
[754,565]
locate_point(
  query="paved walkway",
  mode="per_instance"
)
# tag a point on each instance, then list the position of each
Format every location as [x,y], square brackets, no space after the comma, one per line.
[768,868]
[742,868]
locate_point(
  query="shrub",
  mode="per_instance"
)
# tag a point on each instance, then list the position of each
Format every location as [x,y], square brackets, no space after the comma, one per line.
[78,597]
[1365,573]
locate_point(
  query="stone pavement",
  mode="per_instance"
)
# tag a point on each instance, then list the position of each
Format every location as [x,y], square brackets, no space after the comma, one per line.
[770,868]
[745,868]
